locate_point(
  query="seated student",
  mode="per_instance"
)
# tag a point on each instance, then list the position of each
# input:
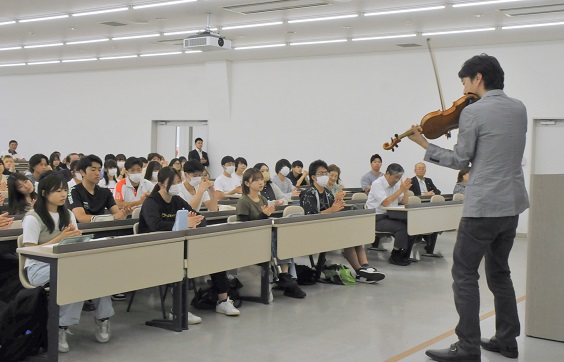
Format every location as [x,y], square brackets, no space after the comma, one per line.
[9,164]
[21,194]
[176,165]
[319,199]
[461,181]
[182,160]
[145,162]
[253,206]
[206,176]
[282,169]
[109,180]
[134,189]
[55,161]
[159,214]
[240,167]
[38,164]
[271,192]
[87,199]
[372,175]
[152,171]
[298,176]
[421,185]
[49,223]
[76,177]
[5,221]
[68,160]
[122,172]
[390,191]
[195,190]
[333,184]
[226,185]
[153,156]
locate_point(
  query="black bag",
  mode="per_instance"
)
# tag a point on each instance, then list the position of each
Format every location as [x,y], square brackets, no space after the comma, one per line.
[23,325]
[207,298]
[306,275]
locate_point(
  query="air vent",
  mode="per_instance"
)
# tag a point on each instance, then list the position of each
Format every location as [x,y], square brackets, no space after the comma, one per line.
[275,5]
[408,45]
[533,10]
[113,23]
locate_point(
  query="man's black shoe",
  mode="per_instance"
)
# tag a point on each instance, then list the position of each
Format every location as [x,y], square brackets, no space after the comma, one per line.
[493,345]
[396,259]
[454,353]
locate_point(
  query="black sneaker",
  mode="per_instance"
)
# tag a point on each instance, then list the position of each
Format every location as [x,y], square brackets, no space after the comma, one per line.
[396,259]
[293,291]
[368,274]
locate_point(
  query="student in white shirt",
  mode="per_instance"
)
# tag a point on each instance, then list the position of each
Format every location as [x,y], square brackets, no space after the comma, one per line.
[282,169]
[134,189]
[227,185]
[109,180]
[195,190]
[240,167]
[76,177]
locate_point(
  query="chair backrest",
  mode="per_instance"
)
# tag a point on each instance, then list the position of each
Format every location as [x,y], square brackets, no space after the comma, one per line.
[437,198]
[413,200]
[458,197]
[136,212]
[293,210]
[410,193]
[136,228]
[359,196]
[21,264]
[226,207]
[100,218]
[232,219]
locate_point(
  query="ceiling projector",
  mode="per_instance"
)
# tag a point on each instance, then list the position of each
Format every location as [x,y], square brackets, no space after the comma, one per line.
[207,41]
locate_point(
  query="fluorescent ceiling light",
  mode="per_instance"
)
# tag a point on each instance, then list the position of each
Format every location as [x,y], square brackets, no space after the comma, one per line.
[405,10]
[8,22]
[12,65]
[162,4]
[46,62]
[87,41]
[94,12]
[477,3]
[187,32]
[192,51]
[531,25]
[42,45]
[322,19]
[79,60]
[250,25]
[319,42]
[10,48]
[159,54]
[385,37]
[43,18]
[136,36]
[260,46]
[119,57]
[458,31]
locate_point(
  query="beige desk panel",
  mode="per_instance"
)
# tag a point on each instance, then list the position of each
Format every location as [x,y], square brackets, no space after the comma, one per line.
[92,275]
[432,219]
[212,253]
[312,237]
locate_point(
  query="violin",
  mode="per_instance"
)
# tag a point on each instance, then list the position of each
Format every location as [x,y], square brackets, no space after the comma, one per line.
[437,123]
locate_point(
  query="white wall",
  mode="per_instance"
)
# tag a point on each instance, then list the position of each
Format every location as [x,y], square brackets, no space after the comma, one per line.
[337,108]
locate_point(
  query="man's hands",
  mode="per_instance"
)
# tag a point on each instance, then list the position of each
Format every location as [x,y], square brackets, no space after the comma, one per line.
[417,137]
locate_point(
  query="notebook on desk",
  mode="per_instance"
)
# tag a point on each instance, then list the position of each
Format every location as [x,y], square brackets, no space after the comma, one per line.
[76,239]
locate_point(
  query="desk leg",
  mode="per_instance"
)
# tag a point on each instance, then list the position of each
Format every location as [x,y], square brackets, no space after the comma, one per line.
[319,266]
[53,319]
[176,324]
[264,283]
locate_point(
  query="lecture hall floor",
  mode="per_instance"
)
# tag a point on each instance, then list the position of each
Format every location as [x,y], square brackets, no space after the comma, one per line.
[397,319]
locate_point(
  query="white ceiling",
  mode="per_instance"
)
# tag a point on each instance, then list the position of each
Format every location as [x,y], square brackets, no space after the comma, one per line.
[192,15]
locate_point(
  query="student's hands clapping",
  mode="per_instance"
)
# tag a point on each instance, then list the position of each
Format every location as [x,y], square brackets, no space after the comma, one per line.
[123,213]
[194,219]
[70,231]
[405,185]
[296,192]
[338,205]
[267,210]
[205,185]
[340,195]
[5,222]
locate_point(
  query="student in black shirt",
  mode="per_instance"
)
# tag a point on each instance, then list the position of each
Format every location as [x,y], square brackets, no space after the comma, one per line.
[298,176]
[87,198]
[159,214]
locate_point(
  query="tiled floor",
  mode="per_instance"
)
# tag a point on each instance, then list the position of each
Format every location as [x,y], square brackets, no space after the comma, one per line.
[334,323]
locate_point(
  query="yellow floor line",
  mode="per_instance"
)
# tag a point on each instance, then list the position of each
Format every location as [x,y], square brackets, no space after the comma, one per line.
[438,338]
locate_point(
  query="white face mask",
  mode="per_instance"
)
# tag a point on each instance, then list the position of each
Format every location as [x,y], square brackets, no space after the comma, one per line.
[230,170]
[195,181]
[112,171]
[78,175]
[155,175]
[174,190]
[285,171]
[322,180]
[135,177]
[121,164]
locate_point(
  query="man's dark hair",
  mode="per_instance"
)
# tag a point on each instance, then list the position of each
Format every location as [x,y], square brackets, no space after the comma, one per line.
[132,161]
[68,158]
[280,164]
[198,139]
[394,169]
[87,161]
[375,156]
[12,141]
[297,163]
[239,160]
[488,67]
[120,157]
[152,155]
[315,165]
[36,160]
[227,159]
[192,166]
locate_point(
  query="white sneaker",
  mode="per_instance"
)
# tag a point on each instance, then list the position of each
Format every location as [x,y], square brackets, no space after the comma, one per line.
[103,331]
[227,308]
[192,318]
[63,345]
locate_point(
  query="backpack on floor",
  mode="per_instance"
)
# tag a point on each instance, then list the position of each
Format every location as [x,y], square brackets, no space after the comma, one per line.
[23,325]
[306,275]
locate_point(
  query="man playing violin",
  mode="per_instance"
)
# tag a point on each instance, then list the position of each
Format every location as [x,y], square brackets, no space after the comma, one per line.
[491,138]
